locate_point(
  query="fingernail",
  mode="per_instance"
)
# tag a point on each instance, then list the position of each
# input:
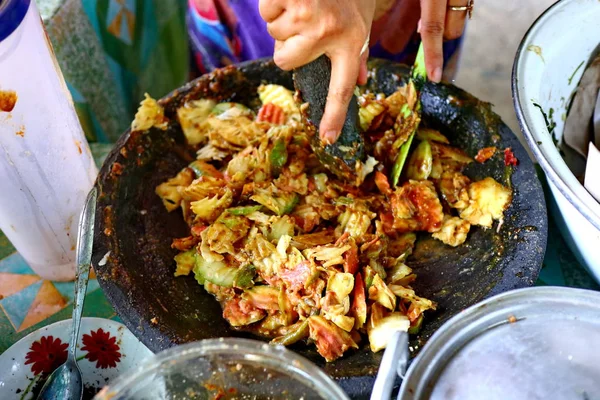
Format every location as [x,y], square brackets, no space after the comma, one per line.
[419,26]
[437,75]
[329,137]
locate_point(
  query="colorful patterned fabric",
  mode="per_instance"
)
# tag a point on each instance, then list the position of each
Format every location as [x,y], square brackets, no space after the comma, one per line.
[224,32]
[112,51]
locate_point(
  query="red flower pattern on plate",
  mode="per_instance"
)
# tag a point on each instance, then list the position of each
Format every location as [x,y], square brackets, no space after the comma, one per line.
[46,355]
[102,348]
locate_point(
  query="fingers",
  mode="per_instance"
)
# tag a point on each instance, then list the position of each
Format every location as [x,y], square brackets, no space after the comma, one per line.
[433,15]
[271,9]
[344,73]
[455,22]
[283,27]
[294,52]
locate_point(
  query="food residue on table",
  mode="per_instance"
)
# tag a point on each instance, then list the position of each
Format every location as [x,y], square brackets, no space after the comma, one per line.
[8,99]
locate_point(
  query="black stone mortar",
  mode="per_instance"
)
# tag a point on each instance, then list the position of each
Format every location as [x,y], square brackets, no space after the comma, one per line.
[164,311]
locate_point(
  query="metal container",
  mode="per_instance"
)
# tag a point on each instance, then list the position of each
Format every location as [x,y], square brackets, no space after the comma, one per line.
[533,343]
[547,69]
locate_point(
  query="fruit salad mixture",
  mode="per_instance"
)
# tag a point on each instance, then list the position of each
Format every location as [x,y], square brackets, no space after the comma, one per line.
[291,252]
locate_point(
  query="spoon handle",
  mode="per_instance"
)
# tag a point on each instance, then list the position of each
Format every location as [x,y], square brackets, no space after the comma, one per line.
[394,361]
[85,240]
[596,122]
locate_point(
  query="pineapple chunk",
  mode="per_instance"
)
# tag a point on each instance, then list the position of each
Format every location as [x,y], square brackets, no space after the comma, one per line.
[381,327]
[210,153]
[233,134]
[336,304]
[364,169]
[488,200]
[454,231]
[329,254]
[250,164]
[192,118]
[185,262]
[343,321]
[409,294]
[382,332]
[149,114]
[341,284]
[406,95]
[204,187]
[170,191]
[281,226]
[354,222]
[369,109]
[399,272]
[209,208]
[264,255]
[222,235]
[278,201]
[453,188]
[281,97]
[382,294]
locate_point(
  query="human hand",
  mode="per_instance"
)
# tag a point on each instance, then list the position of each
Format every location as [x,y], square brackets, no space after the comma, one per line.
[438,23]
[306,29]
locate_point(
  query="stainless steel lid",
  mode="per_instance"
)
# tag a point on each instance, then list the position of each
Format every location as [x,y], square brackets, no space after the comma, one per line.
[534,343]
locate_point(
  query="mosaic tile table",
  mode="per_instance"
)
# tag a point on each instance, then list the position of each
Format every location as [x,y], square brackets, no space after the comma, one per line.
[27,302]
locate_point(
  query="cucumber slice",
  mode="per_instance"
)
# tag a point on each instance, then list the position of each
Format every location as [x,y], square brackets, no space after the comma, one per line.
[244,278]
[231,110]
[197,273]
[221,274]
[243,210]
[202,168]
[416,326]
[278,156]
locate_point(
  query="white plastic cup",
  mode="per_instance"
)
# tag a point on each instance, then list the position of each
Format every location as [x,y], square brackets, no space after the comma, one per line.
[46,167]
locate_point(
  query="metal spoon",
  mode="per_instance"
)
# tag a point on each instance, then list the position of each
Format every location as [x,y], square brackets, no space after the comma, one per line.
[65,382]
[394,362]
[596,122]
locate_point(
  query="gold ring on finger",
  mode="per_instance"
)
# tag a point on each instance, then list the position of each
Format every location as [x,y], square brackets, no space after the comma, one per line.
[468,8]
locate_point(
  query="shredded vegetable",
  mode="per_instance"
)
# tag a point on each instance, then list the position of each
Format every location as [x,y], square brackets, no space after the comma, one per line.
[293,253]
